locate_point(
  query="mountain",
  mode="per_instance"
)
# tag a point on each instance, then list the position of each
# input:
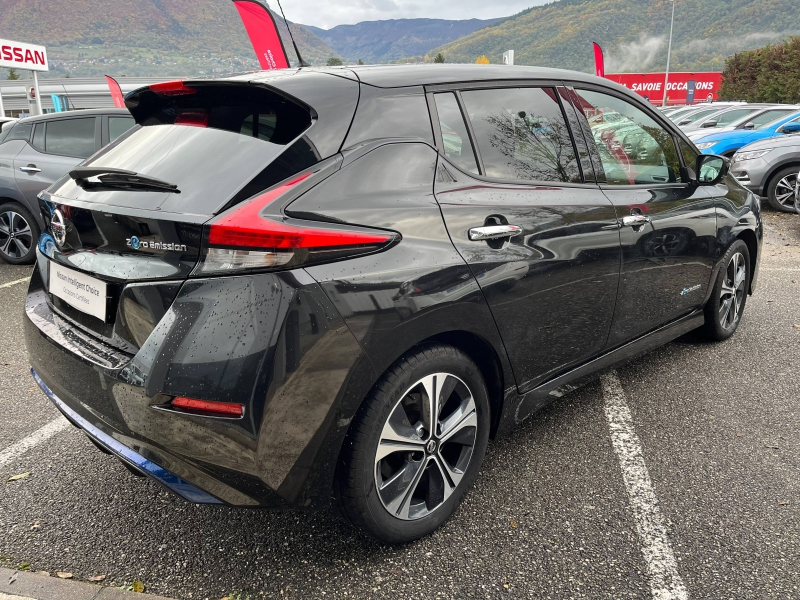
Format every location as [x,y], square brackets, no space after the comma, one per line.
[146,37]
[633,33]
[390,40]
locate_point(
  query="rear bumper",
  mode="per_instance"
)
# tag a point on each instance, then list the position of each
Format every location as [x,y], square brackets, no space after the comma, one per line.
[169,480]
[272,342]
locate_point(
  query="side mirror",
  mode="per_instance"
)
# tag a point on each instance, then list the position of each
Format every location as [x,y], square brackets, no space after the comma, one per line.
[710,169]
[791,128]
[749,125]
[711,123]
[684,122]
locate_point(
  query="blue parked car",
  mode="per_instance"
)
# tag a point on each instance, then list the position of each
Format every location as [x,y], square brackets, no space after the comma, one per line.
[728,142]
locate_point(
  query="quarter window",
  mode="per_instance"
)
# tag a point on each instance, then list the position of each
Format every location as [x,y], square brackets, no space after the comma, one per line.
[634,148]
[455,138]
[521,133]
[71,137]
[118,125]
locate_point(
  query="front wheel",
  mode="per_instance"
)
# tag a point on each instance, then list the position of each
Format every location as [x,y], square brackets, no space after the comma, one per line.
[416,445]
[724,309]
[781,189]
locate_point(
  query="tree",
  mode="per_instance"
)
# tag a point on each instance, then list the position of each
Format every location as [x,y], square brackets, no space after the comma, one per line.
[361,62]
[13,75]
[335,61]
[439,58]
[482,60]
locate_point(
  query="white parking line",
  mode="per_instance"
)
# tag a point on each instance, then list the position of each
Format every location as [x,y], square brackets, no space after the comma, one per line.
[662,568]
[37,437]
[15,282]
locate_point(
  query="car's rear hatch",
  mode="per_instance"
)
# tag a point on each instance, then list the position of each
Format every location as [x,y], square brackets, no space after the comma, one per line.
[131,218]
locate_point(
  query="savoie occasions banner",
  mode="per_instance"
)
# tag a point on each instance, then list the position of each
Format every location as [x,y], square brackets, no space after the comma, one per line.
[651,86]
[16,55]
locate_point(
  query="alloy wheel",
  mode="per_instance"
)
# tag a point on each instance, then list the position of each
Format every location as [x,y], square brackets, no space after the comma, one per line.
[16,236]
[425,446]
[732,292]
[784,190]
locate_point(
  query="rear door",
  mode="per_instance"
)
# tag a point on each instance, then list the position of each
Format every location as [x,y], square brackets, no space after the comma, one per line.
[551,281]
[668,226]
[56,146]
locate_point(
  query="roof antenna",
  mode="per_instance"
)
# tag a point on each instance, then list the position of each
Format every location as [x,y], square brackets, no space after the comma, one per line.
[300,58]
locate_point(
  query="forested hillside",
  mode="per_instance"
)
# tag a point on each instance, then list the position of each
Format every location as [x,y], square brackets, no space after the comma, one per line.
[390,40]
[146,37]
[633,33]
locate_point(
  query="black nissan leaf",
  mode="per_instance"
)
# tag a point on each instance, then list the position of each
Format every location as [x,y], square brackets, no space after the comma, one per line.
[332,287]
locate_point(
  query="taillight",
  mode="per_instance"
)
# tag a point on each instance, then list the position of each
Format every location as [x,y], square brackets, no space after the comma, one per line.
[172,88]
[246,238]
[208,407]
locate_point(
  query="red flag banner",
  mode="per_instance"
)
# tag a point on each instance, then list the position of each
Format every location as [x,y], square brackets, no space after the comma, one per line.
[599,67]
[263,33]
[116,92]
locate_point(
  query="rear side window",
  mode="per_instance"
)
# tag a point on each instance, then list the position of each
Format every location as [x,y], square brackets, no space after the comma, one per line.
[455,138]
[521,133]
[118,125]
[71,137]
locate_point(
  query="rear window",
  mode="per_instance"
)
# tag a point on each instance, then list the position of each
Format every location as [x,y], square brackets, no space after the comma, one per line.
[231,135]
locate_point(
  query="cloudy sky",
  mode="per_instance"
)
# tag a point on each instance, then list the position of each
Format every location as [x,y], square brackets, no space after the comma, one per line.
[330,13]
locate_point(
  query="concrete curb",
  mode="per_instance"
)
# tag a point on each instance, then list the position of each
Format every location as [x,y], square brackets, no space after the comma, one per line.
[30,586]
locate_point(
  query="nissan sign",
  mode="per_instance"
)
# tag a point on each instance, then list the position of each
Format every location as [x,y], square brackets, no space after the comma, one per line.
[16,55]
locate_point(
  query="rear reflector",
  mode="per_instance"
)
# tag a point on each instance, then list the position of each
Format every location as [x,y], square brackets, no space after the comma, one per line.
[225,409]
[172,88]
[243,238]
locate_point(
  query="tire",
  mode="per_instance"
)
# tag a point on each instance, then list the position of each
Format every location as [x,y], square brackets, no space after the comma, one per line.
[724,309]
[373,493]
[19,234]
[780,191]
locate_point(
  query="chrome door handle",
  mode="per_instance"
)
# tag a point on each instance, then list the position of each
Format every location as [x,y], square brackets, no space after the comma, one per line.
[635,220]
[30,169]
[493,232]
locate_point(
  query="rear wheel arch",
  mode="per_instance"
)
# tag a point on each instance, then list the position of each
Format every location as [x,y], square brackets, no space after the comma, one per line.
[749,238]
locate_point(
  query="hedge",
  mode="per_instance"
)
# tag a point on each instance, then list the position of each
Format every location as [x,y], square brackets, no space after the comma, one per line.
[769,74]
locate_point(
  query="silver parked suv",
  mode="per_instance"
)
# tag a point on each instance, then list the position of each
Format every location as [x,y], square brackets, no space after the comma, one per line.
[35,153]
[769,167]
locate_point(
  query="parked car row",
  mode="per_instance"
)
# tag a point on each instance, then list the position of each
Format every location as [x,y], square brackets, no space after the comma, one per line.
[761,140]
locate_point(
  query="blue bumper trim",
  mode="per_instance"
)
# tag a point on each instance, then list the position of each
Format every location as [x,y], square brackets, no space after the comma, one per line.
[184,489]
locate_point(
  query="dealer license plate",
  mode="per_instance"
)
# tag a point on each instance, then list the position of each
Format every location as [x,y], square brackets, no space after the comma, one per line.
[85,293]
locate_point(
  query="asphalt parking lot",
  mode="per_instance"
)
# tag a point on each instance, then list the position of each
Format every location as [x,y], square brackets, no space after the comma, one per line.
[551,516]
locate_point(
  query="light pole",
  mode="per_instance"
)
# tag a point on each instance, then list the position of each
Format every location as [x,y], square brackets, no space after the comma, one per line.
[669,52]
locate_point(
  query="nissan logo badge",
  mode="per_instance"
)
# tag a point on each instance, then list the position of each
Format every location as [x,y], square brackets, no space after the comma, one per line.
[58,228]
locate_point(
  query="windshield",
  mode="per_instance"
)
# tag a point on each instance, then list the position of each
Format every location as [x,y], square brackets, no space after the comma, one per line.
[733,117]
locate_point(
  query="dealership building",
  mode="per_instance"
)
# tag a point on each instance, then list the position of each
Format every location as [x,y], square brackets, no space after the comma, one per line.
[79,92]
